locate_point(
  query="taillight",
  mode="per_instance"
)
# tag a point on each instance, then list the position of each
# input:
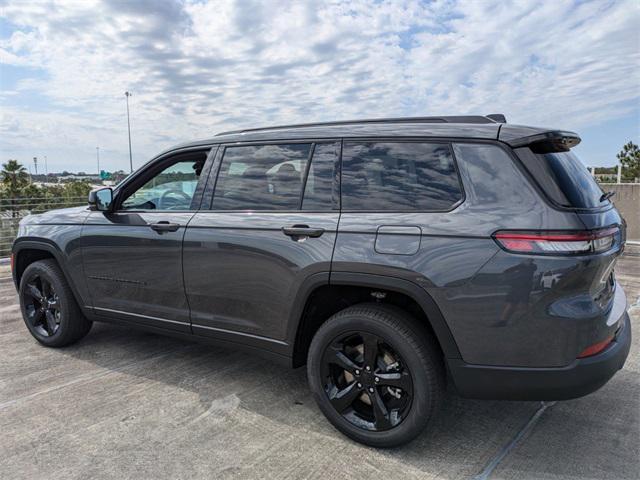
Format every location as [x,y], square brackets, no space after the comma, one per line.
[557,242]
[13,260]
[596,348]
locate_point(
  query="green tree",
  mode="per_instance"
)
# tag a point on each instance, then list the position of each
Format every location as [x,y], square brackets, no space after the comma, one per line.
[14,178]
[77,190]
[629,158]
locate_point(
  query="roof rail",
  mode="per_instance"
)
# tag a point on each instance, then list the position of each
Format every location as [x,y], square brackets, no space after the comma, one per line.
[445,119]
[497,117]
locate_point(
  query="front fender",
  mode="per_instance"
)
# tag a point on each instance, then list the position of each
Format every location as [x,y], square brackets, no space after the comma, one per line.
[70,262]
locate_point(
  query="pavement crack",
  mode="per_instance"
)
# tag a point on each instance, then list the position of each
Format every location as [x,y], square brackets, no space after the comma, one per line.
[524,431]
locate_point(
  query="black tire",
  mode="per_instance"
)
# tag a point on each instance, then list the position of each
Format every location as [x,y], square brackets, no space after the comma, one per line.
[418,365]
[54,319]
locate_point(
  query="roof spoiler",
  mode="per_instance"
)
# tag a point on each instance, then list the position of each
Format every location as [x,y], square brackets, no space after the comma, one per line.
[547,142]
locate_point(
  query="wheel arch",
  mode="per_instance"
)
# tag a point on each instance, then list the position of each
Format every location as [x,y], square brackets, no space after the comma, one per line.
[320,297]
[26,251]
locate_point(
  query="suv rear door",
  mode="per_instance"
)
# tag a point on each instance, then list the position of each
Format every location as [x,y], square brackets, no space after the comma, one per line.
[395,198]
[270,226]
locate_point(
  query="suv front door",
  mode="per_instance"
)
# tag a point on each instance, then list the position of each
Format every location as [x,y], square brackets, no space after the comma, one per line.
[271,226]
[133,256]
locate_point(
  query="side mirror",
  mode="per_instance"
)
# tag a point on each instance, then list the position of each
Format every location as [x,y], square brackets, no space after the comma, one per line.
[101,199]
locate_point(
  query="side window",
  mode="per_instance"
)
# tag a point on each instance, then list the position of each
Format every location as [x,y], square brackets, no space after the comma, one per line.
[261,177]
[319,190]
[388,176]
[171,189]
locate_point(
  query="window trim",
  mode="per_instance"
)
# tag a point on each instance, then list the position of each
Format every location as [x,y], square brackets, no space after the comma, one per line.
[335,180]
[307,169]
[448,142]
[155,166]
[214,175]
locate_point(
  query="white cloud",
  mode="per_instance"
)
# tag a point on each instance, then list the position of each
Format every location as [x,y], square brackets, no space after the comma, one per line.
[196,68]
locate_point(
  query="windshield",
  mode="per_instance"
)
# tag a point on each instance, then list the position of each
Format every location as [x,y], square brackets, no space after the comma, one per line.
[564,178]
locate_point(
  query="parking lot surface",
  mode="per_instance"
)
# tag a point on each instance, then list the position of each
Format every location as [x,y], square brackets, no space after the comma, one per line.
[127,404]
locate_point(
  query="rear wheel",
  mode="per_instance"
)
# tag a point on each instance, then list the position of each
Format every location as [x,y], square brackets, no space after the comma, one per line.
[376,374]
[48,306]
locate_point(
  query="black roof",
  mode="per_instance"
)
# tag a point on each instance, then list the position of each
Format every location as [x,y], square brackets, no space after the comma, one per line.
[403,120]
[467,127]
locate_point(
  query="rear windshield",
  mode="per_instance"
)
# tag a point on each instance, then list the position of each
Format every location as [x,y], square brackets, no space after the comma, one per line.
[564,178]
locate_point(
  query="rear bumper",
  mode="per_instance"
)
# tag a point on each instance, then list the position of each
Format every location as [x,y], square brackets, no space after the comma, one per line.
[580,378]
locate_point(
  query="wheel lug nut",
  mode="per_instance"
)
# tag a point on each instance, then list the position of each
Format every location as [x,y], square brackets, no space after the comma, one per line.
[370,389]
[377,379]
[359,385]
[357,372]
[368,368]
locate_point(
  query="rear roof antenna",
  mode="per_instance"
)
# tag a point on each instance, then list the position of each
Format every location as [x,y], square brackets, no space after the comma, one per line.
[497,117]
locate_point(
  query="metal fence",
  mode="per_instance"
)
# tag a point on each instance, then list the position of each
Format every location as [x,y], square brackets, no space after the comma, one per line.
[12,210]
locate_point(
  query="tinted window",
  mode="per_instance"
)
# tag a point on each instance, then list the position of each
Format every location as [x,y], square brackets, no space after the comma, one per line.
[398,176]
[262,177]
[564,178]
[319,189]
[171,189]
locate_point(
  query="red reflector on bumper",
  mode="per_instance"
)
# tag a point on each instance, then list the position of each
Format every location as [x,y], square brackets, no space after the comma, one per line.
[596,348]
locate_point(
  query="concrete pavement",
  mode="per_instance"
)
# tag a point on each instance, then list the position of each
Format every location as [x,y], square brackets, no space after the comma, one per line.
[126,404]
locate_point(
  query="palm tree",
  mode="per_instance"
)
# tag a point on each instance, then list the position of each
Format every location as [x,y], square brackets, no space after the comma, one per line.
[14,178]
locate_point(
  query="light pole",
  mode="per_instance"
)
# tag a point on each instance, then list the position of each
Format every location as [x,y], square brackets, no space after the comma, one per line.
[98,158]
[127,95]
[46,169]
[35,163]
[619,173]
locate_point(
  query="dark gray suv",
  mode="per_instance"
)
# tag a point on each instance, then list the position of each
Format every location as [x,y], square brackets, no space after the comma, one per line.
[391,256]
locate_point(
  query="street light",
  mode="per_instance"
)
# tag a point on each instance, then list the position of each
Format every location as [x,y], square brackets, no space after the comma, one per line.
[127,95]
[35,163]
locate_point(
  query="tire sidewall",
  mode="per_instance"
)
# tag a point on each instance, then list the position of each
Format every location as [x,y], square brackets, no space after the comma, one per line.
[422,403]
[44,271]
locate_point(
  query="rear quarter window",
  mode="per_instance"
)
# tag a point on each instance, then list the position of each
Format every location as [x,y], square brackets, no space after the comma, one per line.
[400,176]
[563,178]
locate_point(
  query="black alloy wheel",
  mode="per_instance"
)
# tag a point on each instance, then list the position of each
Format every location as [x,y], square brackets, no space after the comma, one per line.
[377,374]
[49,308]
[42,306]
[366,381]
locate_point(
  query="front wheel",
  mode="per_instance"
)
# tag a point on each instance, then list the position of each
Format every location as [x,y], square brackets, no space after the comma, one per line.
[49,309]
[376,374]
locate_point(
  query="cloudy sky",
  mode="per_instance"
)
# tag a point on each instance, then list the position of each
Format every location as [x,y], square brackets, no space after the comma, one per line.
[196,68]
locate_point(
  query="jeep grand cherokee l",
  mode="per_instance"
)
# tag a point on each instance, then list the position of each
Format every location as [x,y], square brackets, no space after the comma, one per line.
[389,256]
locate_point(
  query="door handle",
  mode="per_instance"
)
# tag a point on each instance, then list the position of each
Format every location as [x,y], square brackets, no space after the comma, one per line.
[300,231]
[164,226]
